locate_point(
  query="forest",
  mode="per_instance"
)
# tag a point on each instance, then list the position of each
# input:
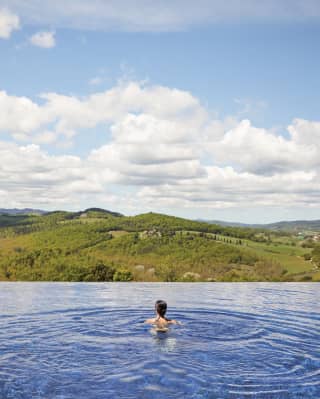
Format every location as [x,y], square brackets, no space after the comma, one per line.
[100,245]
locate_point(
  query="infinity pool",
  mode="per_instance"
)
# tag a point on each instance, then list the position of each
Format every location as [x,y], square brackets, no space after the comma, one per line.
[238,340]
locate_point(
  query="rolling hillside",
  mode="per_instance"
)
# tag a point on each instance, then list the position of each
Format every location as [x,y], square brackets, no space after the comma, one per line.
[100,245]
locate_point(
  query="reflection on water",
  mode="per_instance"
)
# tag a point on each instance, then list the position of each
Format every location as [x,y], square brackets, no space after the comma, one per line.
[166,341]
[89,341]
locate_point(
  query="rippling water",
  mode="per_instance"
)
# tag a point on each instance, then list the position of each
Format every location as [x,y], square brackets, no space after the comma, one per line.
[88,341]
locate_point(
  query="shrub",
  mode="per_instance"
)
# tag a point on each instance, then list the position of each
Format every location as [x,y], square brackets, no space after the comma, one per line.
[101,272]
[122,275]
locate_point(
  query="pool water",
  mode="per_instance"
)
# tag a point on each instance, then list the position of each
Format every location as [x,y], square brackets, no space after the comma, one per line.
[238,340]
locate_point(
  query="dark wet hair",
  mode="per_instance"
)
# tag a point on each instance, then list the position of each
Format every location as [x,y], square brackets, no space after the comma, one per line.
[161,307]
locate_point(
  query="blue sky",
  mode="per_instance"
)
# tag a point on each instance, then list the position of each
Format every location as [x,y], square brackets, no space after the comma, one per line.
[207,113]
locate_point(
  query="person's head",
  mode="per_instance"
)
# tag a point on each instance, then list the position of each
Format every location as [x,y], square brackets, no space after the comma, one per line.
[161,307]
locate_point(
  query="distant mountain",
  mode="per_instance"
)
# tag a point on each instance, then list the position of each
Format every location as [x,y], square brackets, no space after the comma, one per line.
[31,211]
[25,211]
[295,225]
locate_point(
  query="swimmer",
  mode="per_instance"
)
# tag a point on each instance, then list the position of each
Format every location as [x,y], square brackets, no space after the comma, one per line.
[160,322]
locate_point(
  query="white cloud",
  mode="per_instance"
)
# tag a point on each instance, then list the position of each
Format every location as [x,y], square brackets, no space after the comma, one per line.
[164,148]
[8,23]
[305,132]
[29,175]
[70,113]
[20,114]
[262,152]
[44,39]
[225,188]
[160,15]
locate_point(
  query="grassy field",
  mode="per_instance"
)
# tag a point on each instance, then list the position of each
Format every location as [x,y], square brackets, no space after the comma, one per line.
[291,257]
[287,251]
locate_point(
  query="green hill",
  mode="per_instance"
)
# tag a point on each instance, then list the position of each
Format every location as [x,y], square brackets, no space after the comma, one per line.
[100,245]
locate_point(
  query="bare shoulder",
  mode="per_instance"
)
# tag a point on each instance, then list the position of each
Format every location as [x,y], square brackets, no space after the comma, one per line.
[150,321]
[174,322]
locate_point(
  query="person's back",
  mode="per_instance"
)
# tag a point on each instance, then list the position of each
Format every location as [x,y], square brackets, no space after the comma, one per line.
[161,322]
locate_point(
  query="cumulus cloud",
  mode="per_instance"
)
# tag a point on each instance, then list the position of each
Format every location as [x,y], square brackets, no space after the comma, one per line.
[160,15]
[44,39]
[224,187]
[29,175]
[20,114]
[70,113]
[305,132]
[260,151]
[163,149]
[8,23]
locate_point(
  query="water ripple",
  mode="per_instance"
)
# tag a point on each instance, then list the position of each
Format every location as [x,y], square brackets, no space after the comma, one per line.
[97,352]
